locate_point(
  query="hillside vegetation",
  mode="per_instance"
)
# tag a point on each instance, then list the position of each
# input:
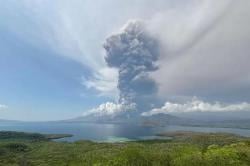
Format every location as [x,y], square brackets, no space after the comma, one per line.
[185,149]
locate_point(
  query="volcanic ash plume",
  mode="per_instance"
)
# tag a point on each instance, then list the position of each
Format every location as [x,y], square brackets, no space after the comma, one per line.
[134,53]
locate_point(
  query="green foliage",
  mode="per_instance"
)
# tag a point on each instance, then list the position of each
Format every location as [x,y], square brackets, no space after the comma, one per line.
[17,147]
[224,156]
[179,152]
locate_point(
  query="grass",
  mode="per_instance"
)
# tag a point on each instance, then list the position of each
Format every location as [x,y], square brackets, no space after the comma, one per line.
[185,149]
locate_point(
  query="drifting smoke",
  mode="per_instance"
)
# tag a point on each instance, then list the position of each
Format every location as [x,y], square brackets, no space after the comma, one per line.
[134,52]
[136,49]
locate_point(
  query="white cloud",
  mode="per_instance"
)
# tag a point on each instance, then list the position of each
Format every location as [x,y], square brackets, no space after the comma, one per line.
[105,81]
[3,107]
[109,109]
[198,106]
[75,29]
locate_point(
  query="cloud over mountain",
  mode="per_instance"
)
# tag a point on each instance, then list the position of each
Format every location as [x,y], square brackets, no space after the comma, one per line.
[158,56]
[198,106]
[172,51]
[109,109]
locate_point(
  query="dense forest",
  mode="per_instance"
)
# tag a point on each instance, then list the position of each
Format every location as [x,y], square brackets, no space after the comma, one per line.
[184,149]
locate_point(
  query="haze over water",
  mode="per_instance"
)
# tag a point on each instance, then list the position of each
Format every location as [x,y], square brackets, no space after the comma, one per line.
[107,132]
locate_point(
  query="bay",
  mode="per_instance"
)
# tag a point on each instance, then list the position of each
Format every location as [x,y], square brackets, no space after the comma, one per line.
[107,132]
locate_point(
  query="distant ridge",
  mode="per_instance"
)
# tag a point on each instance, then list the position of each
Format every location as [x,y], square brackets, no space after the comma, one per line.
[155,120]
[165,120]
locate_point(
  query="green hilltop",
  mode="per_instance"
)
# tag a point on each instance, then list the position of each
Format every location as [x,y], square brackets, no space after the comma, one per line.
[184,149]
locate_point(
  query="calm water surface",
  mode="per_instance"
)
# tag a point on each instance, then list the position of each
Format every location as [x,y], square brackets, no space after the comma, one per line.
[107,132]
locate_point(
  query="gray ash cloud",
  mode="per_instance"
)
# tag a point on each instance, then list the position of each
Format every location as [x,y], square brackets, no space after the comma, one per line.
[134,52]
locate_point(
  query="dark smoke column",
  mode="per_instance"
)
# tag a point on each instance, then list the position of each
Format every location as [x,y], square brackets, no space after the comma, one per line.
[134,53]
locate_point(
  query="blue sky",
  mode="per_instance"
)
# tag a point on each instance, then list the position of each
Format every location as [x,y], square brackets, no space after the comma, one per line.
[38,82]
[52,62]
